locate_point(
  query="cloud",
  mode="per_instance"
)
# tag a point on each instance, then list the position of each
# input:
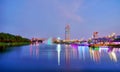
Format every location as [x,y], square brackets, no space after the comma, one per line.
[70,9]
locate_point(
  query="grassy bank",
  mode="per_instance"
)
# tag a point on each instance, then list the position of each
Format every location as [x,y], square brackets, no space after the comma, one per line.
[5,47]
[14,44]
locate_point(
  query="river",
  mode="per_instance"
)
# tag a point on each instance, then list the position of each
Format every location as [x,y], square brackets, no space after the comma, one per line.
[59,58]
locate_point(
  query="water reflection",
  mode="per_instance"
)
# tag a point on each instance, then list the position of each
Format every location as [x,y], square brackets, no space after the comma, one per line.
[58,52]
[94,54]
[34,50]
[112,55]
[81,50]
[65,58]
[72,52]
[67,54]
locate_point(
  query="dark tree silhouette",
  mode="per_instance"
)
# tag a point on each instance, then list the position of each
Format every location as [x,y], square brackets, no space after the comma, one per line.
[6,37]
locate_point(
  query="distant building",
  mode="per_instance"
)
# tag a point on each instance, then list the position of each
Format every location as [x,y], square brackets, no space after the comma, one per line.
[67,32]
[95,35]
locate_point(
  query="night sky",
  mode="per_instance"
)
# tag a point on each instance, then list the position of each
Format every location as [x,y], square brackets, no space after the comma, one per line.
[48,18]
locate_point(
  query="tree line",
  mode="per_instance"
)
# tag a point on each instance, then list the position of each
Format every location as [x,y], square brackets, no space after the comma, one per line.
[9,38]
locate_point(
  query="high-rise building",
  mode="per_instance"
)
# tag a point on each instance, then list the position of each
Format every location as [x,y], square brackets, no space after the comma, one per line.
[95,35]
[67,32]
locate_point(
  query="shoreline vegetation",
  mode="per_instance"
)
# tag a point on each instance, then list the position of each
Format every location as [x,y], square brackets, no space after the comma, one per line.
[7,40]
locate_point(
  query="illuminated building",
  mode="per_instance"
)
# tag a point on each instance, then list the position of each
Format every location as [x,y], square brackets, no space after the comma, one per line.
[95,36]
[67,32]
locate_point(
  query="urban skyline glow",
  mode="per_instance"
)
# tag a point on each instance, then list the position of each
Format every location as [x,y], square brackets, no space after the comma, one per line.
[48,18]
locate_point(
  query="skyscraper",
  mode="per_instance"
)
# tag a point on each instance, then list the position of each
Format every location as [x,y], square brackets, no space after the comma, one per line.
[67,32]
[95,36]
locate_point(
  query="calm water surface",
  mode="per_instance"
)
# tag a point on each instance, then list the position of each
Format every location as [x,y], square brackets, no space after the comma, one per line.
[59,58]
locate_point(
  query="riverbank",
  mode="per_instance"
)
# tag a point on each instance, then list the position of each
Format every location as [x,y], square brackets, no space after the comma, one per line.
[3,44]
[5,47]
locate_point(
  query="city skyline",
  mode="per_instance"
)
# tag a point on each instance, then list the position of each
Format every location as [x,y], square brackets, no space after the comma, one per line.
[45,18]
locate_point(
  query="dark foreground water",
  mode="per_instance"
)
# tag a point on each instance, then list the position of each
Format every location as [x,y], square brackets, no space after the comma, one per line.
[60,58]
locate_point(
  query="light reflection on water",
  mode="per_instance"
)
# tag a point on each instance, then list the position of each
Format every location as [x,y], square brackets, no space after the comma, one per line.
[75,52]
[58,51]
[67,57]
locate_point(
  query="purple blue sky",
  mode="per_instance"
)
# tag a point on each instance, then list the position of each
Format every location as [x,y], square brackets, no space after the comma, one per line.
[48,18]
